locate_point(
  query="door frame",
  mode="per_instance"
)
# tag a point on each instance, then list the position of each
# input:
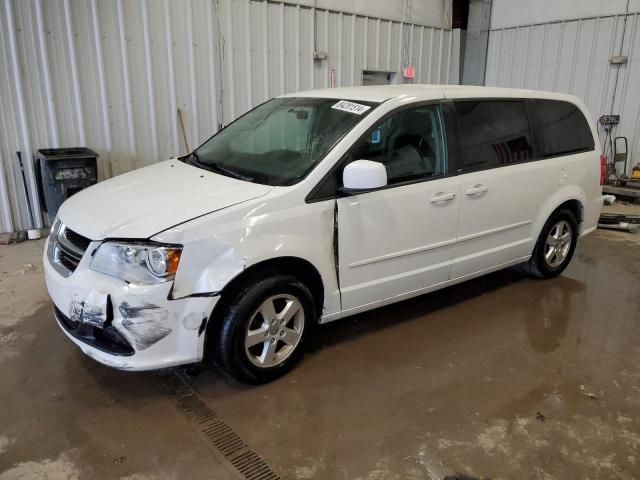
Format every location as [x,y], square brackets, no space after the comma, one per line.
[459,166]
[328,187]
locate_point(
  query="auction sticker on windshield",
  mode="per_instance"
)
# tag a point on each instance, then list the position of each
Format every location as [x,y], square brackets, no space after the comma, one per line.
[351,107]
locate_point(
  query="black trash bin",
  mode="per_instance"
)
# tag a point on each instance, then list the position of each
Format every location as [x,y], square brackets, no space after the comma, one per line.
[63,172]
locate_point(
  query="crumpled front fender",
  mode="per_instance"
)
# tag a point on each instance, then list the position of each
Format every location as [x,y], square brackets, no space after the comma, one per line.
[206,266]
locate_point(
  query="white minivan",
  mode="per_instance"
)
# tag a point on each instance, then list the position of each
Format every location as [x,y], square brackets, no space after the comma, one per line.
[315,206]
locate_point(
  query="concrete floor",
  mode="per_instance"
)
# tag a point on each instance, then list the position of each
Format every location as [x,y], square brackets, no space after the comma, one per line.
[501,377]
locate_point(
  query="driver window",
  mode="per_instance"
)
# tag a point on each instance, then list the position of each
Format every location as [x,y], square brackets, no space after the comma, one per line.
[410,144]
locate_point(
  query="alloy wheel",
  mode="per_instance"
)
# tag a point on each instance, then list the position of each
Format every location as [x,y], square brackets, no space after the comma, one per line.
[274,331]
[558,243]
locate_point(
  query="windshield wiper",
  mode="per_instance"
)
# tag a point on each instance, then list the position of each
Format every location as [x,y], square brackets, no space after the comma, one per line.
[216,167]
[191,158]
[230,173]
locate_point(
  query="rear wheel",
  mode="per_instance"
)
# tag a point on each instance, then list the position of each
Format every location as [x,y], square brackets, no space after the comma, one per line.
[555,246]
[263,328]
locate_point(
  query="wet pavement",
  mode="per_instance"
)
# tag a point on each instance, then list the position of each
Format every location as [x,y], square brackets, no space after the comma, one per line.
[501,377]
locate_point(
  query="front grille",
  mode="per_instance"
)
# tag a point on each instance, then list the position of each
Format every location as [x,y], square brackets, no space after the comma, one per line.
[77,240]
[67,261]
[106,339]
[66,248]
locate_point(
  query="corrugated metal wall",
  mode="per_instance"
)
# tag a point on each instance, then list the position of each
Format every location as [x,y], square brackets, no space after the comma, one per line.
[111,74]
[573,56]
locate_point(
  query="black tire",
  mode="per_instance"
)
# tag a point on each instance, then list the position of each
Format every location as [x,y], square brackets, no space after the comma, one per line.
[538,265]
[238,312]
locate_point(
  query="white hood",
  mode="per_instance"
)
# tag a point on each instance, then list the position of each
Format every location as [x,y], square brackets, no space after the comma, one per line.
[147,201]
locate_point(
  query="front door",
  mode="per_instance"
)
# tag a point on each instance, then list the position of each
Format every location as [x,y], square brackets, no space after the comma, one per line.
[399,240]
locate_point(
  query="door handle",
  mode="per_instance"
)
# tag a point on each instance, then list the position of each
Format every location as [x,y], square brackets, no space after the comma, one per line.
[442,197]
[476,190]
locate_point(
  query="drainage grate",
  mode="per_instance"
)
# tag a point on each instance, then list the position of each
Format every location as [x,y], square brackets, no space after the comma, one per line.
[226,442]
[252,466]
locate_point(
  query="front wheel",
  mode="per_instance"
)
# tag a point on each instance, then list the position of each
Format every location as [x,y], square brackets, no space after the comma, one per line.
[262,331]
[555,246]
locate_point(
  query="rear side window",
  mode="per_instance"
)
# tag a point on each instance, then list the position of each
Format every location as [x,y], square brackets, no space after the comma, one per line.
[493,133]
[560,128]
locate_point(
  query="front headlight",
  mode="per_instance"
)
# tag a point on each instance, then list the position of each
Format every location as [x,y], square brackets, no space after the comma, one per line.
[140,263]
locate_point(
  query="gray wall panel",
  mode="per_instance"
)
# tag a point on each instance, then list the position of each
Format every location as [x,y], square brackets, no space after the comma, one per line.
[111,74]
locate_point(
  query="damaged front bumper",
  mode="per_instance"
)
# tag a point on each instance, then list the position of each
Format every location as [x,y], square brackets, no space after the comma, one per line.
[126,326]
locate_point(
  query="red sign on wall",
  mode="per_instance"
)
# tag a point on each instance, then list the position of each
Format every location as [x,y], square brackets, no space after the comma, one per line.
[409,72]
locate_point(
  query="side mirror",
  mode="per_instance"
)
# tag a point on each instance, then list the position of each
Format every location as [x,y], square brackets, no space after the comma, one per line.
[363,175]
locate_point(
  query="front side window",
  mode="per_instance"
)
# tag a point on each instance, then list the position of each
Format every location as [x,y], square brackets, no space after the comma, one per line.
[280,141]
[410,144]
[493,133]
[561,128]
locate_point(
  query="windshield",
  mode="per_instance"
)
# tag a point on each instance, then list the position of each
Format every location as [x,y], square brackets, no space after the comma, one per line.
[280,141]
